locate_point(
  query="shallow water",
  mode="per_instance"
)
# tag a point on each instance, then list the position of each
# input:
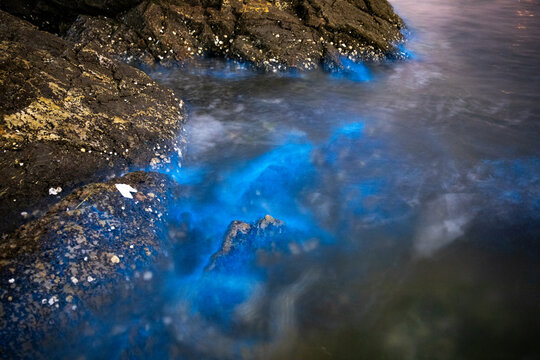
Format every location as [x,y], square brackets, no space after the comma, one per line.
[411,191]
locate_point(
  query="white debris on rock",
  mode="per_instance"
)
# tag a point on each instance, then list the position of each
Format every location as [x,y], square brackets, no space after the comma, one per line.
[55,191]
[115,259]
[53,300]
[126,190]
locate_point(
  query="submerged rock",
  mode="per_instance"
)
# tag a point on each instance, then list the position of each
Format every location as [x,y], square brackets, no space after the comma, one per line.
[271,35]
[72,116]
[242,241]
[83,254]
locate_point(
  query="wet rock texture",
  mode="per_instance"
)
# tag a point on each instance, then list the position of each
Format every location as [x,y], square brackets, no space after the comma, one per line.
[78,257]
[71,116]
[242,241]
[271,35]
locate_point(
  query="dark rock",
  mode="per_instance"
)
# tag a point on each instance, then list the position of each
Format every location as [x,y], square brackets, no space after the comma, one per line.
[56,15]
[83,254]
[271,35]
[242,241]
[72,116]
[115,38]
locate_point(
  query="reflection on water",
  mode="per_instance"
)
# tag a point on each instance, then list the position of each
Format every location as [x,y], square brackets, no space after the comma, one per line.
[410,190]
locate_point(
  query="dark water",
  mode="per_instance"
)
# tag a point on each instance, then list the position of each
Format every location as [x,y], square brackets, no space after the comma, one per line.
[411,189]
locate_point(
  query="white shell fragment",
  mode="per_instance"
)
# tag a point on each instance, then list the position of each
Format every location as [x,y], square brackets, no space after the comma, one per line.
[126,190]
[55,191]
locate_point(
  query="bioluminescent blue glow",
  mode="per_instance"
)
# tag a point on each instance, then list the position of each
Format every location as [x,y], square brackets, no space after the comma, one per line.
[353,71]
[409,190]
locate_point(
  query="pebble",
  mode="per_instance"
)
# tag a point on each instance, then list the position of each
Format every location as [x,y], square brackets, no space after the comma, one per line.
[115,259]
[148,275]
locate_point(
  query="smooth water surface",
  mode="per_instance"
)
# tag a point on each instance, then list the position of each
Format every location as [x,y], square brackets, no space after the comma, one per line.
[411,191]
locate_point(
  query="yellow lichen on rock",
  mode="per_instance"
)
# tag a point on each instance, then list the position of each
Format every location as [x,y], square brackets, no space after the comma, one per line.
[37,120]
[256,6]
[119,120]
[55,88]
[41,119]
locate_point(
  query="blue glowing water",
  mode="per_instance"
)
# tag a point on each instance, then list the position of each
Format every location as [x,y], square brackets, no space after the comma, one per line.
[410,192]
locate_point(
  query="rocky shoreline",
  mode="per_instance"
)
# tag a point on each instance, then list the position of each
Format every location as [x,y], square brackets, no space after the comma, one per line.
[73,259]
[269,35]
[280,35]
[75,118]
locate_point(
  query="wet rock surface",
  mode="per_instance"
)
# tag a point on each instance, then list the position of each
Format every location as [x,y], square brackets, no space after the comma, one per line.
[72,116]
[84,253]
[242,241]
[271,35]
